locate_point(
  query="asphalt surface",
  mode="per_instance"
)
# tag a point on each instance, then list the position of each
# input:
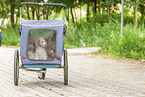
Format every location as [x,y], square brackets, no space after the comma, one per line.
[88,77]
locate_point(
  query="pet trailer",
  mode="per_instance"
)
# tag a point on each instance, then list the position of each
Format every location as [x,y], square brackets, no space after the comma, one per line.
[41,45]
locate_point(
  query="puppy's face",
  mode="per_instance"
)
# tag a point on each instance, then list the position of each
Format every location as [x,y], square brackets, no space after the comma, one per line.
[42,42]
[31,44]
[51,47]
[51,52]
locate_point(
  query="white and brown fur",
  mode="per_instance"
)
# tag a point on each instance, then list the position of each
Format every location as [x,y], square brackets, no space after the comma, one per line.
[40,50]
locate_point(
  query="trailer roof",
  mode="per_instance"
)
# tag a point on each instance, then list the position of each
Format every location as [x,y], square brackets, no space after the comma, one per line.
[43,22]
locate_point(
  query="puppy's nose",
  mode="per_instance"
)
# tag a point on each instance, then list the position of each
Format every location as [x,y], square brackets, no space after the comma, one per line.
[51,52]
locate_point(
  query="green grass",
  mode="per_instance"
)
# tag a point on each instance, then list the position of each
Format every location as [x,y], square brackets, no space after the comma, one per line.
[130,45]
[10,36]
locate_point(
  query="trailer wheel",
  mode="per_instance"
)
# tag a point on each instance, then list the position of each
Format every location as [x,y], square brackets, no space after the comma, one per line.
[65,67]
[16,67]
[42,75]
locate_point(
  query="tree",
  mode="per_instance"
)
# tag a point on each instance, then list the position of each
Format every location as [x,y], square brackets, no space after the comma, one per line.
[12,2]
[3,9]
[135,13]
[28,14]
[135,4]
[142,9]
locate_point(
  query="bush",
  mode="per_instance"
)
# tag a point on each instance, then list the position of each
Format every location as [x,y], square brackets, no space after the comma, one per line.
[10,36]
[130,45]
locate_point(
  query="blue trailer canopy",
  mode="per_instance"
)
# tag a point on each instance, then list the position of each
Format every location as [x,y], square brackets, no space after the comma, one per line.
[41,29]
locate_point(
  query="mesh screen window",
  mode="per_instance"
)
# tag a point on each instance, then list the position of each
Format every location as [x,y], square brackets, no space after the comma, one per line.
[41,44]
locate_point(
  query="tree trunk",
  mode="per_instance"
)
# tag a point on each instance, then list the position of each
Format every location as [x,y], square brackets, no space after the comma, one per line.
[44,13]
[47,13]
[135,17]
[88,12]
[67,16]
[75,16]
[80,14]
[109,15]
[102,19]
[28,15]
[98,2]
[17,16]
[142,10]
[95,2]
[3,11]
[72,14]
[33,11]
[37,13]
[33,14]
[12,13]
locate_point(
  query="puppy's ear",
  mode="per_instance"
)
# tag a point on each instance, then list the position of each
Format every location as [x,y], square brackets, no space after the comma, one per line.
[50,39]
[37,42]
[46,40]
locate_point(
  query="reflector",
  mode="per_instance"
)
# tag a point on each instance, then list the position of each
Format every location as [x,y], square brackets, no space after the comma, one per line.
[24,57]
[57,57]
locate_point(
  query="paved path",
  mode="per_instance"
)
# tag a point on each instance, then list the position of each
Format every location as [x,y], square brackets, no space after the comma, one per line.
[88,77]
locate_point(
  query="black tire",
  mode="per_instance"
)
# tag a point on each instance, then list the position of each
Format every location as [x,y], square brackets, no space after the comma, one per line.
[65,68]
[42,75]
[16,67]
[0,43]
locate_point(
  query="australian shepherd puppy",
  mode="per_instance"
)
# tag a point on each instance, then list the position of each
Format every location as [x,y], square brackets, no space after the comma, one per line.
[40,49]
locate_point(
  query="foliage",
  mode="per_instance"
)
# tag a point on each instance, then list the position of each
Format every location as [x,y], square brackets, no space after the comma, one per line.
[10,36]
[99,27]
[130,45]
[10,9]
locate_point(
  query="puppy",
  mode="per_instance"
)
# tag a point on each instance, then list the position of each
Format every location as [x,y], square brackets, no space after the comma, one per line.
[31,49]
[51,50]
[40,50]
[51,47]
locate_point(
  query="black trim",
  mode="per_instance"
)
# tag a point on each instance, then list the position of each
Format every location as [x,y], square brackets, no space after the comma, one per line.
[64,30]
[20,30]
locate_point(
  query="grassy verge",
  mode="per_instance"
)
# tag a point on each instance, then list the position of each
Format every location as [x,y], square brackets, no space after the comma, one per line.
[130,45]
[10,36]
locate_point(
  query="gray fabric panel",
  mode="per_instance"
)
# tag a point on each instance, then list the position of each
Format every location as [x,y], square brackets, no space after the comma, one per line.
[59,39]
[42,22]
